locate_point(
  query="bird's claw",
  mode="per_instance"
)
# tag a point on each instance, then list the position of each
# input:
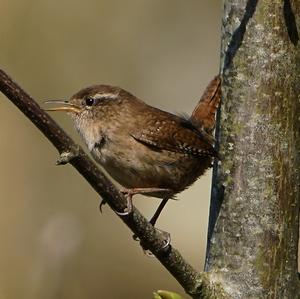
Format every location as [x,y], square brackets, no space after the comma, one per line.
[129,207]
[102,203]
[164,248]
[167,239]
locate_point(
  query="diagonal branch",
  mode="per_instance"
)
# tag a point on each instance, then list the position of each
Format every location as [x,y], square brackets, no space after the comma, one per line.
[198,285]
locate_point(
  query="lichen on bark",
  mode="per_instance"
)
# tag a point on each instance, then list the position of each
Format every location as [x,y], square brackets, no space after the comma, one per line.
[255,239]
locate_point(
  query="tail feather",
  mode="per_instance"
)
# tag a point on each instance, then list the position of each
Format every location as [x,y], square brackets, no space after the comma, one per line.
[203,116]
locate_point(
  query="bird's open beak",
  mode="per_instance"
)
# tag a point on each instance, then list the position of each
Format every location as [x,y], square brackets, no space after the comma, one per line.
[67,107]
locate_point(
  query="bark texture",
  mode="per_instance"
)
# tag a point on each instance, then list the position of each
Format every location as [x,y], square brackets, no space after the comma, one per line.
[254,244]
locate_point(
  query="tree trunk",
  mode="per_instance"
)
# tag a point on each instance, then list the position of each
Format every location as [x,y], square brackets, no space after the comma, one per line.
[254,243]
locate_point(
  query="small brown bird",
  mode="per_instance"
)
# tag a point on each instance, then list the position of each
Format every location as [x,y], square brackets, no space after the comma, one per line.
[147,150]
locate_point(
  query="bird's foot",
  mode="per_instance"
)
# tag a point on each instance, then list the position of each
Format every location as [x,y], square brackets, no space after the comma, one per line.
[164,248]
[129,207]
[126,212]
[128,194]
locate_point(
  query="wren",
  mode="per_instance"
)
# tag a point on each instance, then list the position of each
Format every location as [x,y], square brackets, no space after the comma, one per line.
[146,150]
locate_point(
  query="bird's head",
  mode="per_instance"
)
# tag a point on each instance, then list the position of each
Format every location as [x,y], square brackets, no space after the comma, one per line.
[91,102]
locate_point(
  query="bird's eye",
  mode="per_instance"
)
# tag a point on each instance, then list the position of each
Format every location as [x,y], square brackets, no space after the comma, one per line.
[90,101]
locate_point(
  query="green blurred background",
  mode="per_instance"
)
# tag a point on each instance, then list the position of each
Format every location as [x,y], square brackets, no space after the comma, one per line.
[54,243]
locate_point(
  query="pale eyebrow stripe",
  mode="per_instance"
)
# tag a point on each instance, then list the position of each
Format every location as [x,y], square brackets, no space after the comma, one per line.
[105,95]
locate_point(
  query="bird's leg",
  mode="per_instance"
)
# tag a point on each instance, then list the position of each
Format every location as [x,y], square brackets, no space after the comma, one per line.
[153,220]
[133,191]
[158,211]
[129,193]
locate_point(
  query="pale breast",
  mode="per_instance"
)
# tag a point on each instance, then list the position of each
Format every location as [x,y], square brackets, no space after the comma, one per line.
[138,166]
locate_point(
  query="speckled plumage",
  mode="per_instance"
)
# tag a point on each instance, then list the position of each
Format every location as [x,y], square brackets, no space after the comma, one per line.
[138,145]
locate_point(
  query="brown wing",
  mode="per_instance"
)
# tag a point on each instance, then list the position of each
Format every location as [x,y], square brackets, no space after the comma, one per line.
[203,115]
[173,133]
